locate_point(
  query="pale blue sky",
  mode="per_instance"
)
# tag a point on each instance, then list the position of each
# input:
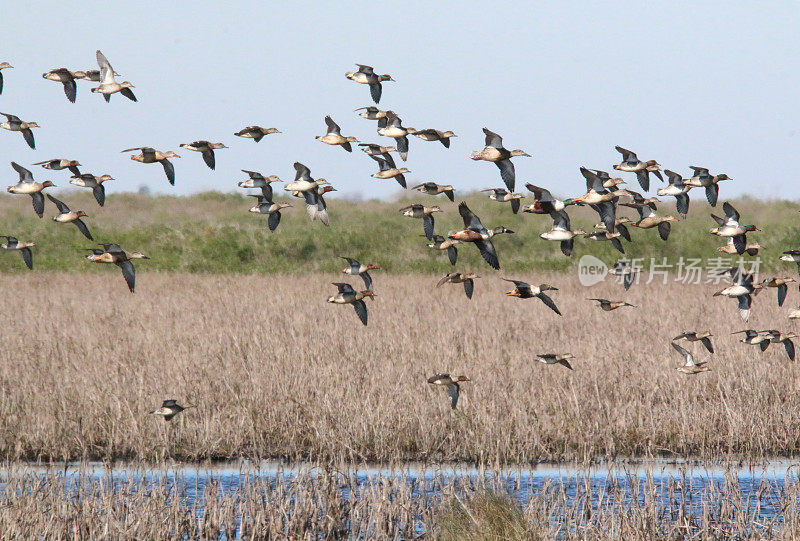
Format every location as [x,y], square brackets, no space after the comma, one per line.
[687,84]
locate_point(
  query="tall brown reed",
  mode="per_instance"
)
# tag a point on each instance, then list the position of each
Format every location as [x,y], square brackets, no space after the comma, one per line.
[277,372]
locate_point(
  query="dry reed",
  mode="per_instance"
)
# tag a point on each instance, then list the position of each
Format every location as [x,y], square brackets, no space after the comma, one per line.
[277,372]
[326,504]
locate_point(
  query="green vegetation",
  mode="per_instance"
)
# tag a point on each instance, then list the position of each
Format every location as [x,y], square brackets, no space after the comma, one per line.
[214,233]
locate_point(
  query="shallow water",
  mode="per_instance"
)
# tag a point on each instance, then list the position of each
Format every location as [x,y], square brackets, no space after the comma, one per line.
[685,491]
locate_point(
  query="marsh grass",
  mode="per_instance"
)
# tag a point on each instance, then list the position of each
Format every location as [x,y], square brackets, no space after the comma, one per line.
[213,233]
[334,503]
[277,372]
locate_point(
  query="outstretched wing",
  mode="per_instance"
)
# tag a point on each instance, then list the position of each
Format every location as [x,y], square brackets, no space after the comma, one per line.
[62,208]
[333,127]
[129,273]
[361,311]
[492,139]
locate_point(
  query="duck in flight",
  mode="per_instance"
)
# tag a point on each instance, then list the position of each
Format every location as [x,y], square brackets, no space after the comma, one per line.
[431,188]
[113,253]
[632,164]
[28,186]
[695,336]
[24,248]
[170,408]
[265,205]
[561,232]
[418,210]
[388,169]
[58,164]
[65,77]
[524,290]
[256,133]
[474,231]
[703,179]
[436,135]
[347,295]
[13,123]
[354,268]
[367,76]
[460,278]
[451,383]
[66,216]
[3,65]
[88,180]
[494,151]
[607,305]
[151,155]
[689,366]
[438,242]
[206,149]
[257,180]
[556,358]
[334,136]
[109,85]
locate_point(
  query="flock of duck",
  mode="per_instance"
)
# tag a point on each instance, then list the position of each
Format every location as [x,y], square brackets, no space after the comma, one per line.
[603,195]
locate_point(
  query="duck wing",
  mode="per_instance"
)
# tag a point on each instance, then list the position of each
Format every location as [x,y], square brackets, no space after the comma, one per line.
[333,127]
[273,220]
[24,174]
[99,192]
[712,193]
[471,221]
[707,343]
[488,252]
[644,179]
[507,172]
[208,157]
[593,181]
[492,139]
[452,254]
[27,134]
[70,89]
[682,203]
[367,280]
[789,345]
[128,93]
[27,257]
[128,272]
[38,203]
[627,155]
[402,147]
[83,229]
[427,225]
[453,390]
[663,230]
[730,212]
[540,194]
[469,286]
[782,289]
[62,208]
[361,311]
[344,287]
[106,71]
[688,359]
[169,170]
[549,303]
[375,90]
[301,172]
